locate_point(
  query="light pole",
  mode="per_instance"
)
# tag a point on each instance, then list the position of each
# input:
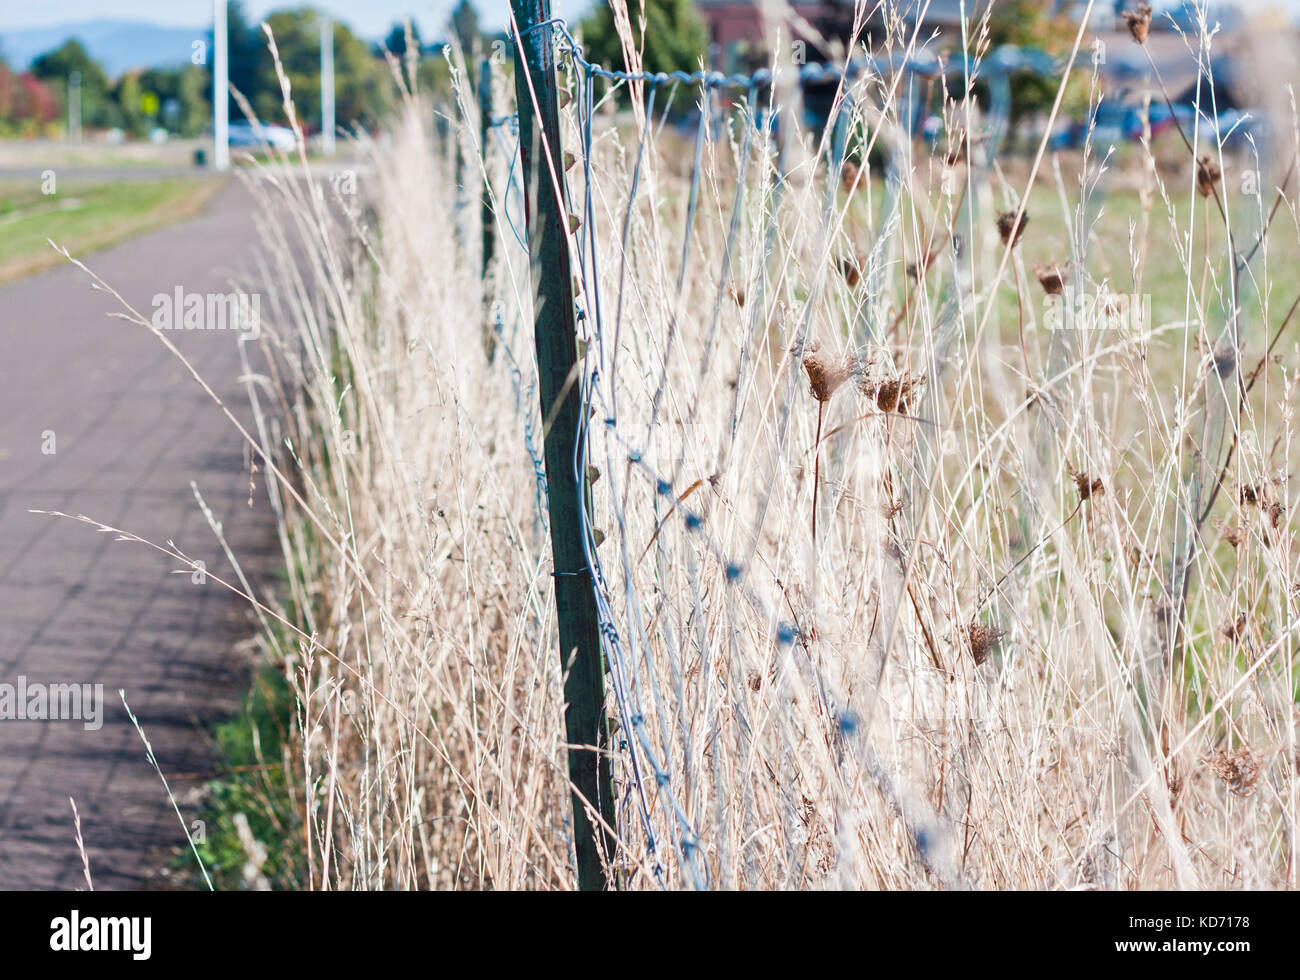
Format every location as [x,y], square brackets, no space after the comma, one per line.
[220,88]
[74,107]
[327,85]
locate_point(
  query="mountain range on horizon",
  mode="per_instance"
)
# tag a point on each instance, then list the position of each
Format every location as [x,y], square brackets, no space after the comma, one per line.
[118,45]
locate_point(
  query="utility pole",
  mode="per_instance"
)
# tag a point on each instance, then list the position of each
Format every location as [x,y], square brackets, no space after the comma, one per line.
[327,124]
[74,107]
[559,383]
[220,88]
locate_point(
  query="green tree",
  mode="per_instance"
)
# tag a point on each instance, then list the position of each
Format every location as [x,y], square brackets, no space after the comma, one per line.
[465,25]
[180,99]
[55,67]
[246,50]
[396,40]
[127,94]
[1029,24]
[359,81]
[674,38]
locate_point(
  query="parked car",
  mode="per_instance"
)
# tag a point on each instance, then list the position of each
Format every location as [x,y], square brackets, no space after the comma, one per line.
[262,134]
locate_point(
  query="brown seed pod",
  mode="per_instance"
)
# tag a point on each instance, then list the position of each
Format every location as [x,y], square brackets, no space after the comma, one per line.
[1238,769]
[851,268]
[891,394]
[983,640]
[849,172]
[1088,487]
[1236,629]
[1010,229]
[1208,176]
[825,375]
[1051,278]
[737,292]
[1139,22]
[917,269]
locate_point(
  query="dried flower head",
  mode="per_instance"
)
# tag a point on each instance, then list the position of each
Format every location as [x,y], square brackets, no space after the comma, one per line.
[1208,176]
[849,172]
[737,293]
[851,267]
[1087,486]
[983,640]
[917,269]
[826,374]
[1254,494]
[1225,361]
[1275,515]
[1238,769]
[1051,278]
[1235,630]
[1010,229]
[891,394]
[1139,22]
[1234,535]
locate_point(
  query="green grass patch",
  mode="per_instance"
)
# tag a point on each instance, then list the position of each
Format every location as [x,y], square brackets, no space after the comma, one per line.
[253,784]
[85,217]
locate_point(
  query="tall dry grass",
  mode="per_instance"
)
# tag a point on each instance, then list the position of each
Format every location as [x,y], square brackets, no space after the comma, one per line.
[904,589]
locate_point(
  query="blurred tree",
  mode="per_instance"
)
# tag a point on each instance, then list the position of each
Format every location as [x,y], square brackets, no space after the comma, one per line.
[181,103]
[360,83]
[396,40]
[127,95]
[674,37]
[28,107]
[465,25]
[1029,24]
[55,67]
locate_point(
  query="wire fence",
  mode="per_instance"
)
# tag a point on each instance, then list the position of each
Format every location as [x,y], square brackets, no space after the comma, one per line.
[661,666]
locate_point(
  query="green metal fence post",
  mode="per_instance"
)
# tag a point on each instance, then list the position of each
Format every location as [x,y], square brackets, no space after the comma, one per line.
[485,131]
[486,218]
[541,158]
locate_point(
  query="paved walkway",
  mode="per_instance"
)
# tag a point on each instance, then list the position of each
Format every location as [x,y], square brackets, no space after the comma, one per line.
[131,429]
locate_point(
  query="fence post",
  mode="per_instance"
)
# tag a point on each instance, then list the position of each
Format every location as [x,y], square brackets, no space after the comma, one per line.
[485,106]
[546,210]
[485,131]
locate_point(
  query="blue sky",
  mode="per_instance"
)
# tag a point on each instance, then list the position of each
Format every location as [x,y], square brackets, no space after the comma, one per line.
[367,17]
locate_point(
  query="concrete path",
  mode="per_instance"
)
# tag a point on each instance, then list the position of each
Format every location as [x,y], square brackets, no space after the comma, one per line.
[130,430]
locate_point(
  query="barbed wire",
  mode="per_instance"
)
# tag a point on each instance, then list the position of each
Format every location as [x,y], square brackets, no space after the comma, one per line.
[648,755]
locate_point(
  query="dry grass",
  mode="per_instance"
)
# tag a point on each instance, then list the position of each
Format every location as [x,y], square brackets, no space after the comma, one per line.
[996,657]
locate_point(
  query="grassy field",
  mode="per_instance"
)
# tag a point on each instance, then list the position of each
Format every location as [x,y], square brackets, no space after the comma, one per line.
[86,216]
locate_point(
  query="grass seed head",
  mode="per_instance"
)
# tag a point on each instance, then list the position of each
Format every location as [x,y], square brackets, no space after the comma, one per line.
[1010,229]
[891,394]
[1235,630]
[1139,22]
[1238,769]
[1051,278]
[1088,487]
[826,374]
[851,267]
[983,640]
[1208,176]
[849,177]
